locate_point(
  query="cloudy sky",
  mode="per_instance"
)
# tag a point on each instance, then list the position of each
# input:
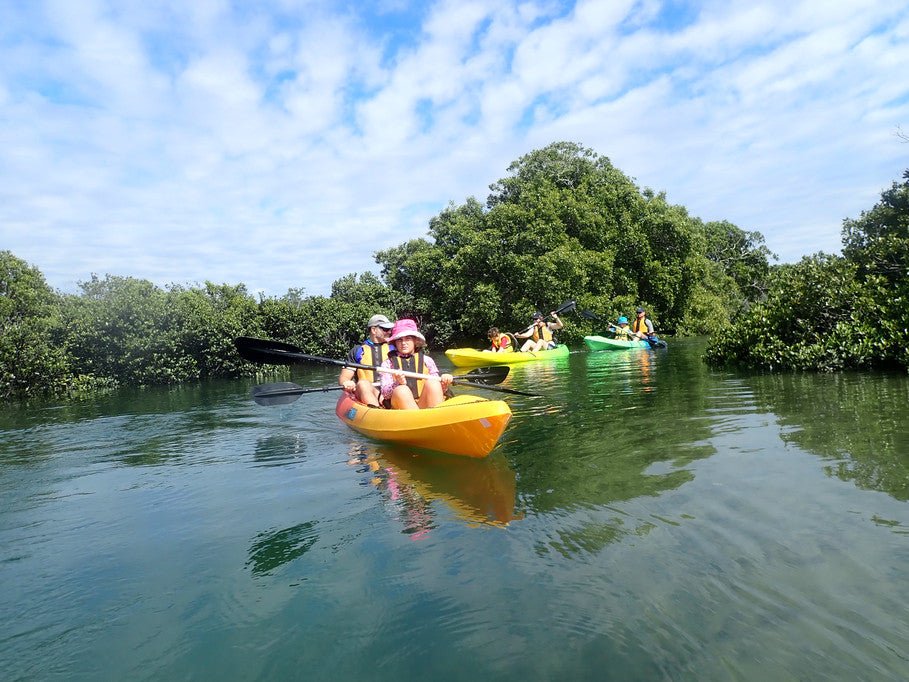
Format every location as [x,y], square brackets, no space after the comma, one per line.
[281,143]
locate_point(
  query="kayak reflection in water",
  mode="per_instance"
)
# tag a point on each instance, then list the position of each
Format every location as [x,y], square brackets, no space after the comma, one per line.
[407,393]
[414,511]
[475,491]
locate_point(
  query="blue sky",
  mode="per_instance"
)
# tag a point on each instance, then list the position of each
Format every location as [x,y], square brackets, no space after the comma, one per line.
[281,143]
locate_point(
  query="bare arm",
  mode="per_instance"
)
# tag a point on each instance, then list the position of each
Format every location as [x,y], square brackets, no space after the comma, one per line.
[347,375]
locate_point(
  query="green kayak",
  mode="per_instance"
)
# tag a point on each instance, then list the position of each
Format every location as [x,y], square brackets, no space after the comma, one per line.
[603,343]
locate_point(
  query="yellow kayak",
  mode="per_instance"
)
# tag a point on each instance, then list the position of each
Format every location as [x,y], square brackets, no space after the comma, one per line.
[470,357]
[463,425]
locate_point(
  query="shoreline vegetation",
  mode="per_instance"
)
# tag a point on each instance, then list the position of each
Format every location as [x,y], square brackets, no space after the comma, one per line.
[564,223]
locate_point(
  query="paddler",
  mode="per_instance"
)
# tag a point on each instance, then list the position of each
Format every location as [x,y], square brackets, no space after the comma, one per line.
[498,342]
[539,333]
[642,327]
[373,350]
[621,332]
[406,393]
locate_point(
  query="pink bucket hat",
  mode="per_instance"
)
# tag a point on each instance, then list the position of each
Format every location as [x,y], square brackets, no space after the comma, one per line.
[405,327]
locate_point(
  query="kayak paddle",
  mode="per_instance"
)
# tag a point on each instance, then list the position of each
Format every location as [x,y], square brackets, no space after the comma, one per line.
[566,307]
[264,351]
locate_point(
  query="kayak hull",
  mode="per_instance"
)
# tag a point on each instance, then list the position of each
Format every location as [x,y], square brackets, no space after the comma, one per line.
[604,343]
[463,425]
[470,357]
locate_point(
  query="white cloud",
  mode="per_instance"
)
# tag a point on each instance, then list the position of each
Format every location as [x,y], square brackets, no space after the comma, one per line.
[283,145]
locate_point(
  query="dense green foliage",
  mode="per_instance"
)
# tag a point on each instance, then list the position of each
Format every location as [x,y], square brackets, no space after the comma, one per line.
[563,224]
[567,224]
[30,361]
[834,312]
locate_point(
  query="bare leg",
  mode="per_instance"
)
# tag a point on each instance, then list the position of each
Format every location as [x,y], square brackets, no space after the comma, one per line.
[432,394]
[367,393]
[402,399]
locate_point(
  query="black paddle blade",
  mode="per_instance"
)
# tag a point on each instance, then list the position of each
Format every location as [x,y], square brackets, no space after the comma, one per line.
[281,393]
[487,375]
[265,352]
[586,314]
[566,307]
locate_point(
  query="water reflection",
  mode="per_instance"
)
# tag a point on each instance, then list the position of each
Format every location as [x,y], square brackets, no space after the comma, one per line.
[476,491]
[280,449]
[271,549]
[855,420]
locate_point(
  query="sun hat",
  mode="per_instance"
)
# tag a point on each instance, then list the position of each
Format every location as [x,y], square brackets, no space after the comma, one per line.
[623,320]
[405,327]
[379,321]
[639,310]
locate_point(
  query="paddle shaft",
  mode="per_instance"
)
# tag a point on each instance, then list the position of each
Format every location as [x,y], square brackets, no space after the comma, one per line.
[286,357]
[564,308]
[277,352]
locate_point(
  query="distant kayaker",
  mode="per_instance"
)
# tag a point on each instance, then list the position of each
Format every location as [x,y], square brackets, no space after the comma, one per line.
[407,393]
[499,342]
[373,350]
[642,327]
[621,331]
[539,333]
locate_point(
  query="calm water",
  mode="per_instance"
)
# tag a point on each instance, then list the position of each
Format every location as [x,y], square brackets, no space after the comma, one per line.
[649,518]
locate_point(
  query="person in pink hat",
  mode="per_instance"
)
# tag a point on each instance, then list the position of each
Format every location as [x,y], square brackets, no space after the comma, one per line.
[406,393]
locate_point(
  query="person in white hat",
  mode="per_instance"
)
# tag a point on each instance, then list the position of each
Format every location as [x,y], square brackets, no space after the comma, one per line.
[407,393]
[373,350]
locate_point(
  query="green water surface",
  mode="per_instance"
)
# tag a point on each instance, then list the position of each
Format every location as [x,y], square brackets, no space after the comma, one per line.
[647,518]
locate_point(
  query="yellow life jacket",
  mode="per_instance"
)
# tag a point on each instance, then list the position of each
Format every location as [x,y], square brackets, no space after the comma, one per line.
[545,332]
[374,355]
[639,325]
[501,342]
[410,363]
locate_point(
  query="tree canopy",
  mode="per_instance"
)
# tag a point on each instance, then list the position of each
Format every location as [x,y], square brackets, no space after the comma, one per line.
[832,312]
[563,224]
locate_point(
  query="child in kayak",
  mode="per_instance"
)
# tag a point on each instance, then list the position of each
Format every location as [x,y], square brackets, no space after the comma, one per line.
[499,342]
[407,393]
[622,332]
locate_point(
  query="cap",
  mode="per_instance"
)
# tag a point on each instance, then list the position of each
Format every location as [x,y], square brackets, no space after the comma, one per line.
[379,321]
[639,310]
[537,316]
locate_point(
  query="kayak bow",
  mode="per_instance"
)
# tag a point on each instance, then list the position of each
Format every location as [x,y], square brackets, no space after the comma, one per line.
[463,425]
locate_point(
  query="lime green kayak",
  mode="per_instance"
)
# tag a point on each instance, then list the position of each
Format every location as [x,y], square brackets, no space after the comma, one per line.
[604,343]
[470,357]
